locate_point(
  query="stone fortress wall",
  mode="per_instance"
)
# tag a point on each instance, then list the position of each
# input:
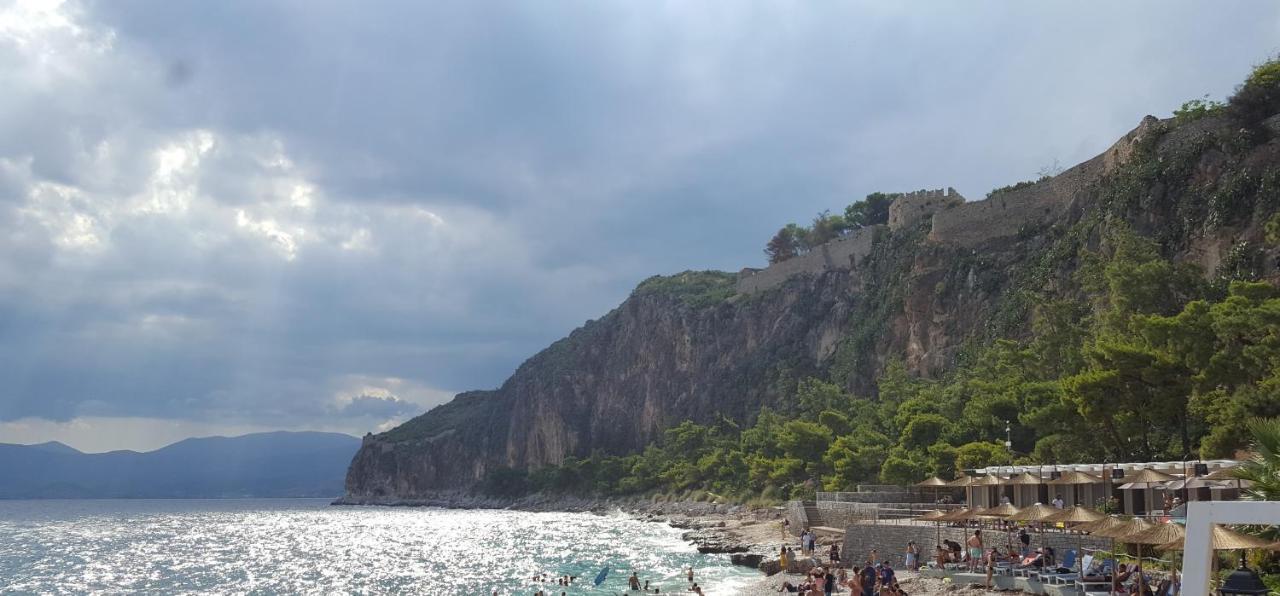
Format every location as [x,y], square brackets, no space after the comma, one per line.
[911,208]
[956,221]
[841,253]
[1012,212]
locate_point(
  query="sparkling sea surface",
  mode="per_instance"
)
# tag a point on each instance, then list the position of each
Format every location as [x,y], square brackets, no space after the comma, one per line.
[306,546]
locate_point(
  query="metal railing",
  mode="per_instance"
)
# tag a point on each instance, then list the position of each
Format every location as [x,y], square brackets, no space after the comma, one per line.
[907,514]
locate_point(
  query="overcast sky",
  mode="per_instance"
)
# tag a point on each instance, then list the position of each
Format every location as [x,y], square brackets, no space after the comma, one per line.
[222,217]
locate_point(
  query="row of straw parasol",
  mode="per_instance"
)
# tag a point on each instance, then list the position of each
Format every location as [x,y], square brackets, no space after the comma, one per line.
[1143,479]
[1163,536]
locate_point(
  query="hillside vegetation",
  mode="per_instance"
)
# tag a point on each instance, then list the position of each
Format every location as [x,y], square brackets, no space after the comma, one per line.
[1106,341]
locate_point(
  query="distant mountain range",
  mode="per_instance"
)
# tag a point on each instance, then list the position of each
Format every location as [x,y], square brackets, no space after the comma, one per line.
[276,464]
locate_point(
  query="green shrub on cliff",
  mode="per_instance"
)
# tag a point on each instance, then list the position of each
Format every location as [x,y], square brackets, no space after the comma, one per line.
[1259,96]
[697,289]
[1195,109]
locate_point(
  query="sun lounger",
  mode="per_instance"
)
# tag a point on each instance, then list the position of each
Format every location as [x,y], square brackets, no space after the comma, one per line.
[1094,588]
[1070,578]
[1047,575]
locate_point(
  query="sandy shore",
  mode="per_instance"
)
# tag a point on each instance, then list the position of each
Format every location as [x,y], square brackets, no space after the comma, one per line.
[915,586]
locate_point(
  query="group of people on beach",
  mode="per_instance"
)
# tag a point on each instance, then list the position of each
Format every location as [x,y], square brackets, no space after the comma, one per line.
[873,579]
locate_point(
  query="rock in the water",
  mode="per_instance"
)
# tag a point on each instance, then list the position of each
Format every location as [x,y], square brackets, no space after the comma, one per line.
[770,567]
[747,559]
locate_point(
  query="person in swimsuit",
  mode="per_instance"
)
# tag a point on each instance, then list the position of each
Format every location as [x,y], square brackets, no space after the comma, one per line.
[975,550]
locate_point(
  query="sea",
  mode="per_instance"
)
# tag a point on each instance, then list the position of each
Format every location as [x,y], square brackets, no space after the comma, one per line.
[306,546]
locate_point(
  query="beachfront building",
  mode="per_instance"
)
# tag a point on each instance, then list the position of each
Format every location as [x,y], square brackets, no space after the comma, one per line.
[1132,488]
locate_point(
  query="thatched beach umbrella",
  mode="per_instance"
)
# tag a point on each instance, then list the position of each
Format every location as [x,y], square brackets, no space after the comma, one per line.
[1155,535]
[1024,479]
[954,515]
[1101,525]
[1146,479]
[1077,515]
[1191,483]
[936,517]
[985,481]
[1001,510]
[1158,534]
[1221,538]
[1037,512]
[964,481]
[1130,526]
[1149,476]
[1222,474]
[973,514]
[1228,474]
[933,482]
[1076,478]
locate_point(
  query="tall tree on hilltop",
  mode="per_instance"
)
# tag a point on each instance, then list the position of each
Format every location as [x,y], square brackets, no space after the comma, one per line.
[870,211]
[826,227]
[790,242]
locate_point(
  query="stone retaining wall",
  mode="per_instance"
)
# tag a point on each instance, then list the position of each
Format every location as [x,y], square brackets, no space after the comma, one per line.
[890,540]
[795,514]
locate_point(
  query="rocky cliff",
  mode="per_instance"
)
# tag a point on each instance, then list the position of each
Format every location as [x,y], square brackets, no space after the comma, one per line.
[954,275]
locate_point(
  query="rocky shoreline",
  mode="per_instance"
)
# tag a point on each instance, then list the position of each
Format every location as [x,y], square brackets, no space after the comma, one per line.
[749,535]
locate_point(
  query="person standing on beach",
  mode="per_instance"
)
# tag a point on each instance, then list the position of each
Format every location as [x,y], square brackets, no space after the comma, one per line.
[975,550]
[992,557]
[782,558]
[834,555]
[913,555]
[1025,539]
[868,578]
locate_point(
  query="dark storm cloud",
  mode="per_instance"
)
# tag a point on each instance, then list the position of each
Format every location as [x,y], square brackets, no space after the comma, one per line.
[268,212]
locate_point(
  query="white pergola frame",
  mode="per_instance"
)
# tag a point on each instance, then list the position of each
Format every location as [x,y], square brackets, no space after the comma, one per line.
[1201,516]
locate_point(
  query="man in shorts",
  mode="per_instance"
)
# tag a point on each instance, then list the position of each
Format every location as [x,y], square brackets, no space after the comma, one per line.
[975,550]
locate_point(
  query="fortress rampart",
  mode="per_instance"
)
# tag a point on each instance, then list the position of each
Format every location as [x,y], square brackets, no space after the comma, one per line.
[911,208]
[841,253]
[956,221]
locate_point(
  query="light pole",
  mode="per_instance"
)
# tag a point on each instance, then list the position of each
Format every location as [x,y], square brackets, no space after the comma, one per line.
[1008,450]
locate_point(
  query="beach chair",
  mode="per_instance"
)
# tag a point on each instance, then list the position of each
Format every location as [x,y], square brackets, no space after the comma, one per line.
[1020,571]
[1070,578]
[1068,561]
[1095,587]
[1004,568]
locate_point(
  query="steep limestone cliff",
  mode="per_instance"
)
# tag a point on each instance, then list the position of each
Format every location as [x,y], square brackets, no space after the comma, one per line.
[705,344]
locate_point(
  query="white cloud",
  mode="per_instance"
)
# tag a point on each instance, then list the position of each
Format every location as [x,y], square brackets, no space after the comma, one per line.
[206,215]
